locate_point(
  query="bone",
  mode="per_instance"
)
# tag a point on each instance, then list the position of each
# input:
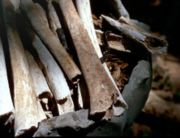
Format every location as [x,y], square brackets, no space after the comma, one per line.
[84,10]
[40,25]
[148,41]
[95,75]
[53,17]
[119,8]
[26,110]
[6,105]
[26,107]
[41,87]
[54,74]
[66,106]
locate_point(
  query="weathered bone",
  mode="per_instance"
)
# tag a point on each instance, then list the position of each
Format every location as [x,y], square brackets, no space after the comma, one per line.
[79,92]
[53,18]
[26,107]
[26,111]
[15,4]
[6,105]
[66,107]
[150,42]
[40,25]
[54,74]
[55,77]
[55,24]
[41,87]
[135,23]
[119,8]
[84,10]
[42,114]
[98,82]
[115,42]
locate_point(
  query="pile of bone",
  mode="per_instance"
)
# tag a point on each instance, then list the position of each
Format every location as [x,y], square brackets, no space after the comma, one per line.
[57,57]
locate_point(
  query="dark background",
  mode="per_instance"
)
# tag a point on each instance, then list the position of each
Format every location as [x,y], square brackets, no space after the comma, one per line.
[162,15]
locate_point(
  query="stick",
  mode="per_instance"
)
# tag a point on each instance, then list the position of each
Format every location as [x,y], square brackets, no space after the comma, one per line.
[40,25]
[97,80]
[152,43]
[6,105]
[54,75]
[84,10]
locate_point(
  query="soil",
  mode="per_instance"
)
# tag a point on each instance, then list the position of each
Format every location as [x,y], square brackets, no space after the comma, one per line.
[166,84]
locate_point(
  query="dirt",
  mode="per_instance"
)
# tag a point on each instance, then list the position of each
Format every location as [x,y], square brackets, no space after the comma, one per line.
[166,85]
